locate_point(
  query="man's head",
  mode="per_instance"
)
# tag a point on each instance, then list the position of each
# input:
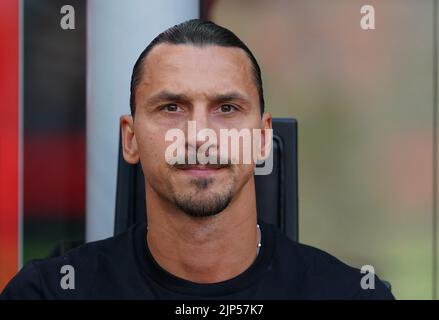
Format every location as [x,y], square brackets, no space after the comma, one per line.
[197,33]
[195,71]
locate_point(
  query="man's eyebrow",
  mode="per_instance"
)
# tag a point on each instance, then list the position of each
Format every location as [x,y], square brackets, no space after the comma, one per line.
[229,96]
[182,98]
[167,96]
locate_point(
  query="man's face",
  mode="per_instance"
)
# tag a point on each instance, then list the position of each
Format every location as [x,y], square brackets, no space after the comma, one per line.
[212,86]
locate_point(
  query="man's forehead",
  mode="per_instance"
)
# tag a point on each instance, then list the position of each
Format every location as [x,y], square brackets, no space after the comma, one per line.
[169,58]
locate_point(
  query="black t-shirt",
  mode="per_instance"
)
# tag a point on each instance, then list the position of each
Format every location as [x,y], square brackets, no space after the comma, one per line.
[122,267]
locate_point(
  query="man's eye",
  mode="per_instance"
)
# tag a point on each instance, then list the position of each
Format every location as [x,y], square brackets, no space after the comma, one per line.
[227,108]
[171,108]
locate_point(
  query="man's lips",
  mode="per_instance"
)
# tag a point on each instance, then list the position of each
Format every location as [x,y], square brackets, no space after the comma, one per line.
[200,167]
[197,170]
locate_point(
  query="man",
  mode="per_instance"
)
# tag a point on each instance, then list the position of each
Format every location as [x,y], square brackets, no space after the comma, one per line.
[203,239]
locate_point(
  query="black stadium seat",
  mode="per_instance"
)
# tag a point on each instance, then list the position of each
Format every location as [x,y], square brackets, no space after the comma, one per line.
[276,193]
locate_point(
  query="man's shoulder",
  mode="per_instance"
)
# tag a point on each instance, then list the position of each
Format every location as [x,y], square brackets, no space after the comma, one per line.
[314,260]
[42,278]
[322,275]
[89,255]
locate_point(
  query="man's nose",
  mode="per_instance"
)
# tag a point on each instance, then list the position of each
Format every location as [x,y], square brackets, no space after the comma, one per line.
[200,121]
[200,115]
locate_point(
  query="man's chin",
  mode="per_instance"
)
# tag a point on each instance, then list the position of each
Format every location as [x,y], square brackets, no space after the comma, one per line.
[200,205]
[200,183]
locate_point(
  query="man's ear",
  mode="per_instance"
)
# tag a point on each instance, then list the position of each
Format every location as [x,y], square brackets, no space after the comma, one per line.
[266,134]
[129,142]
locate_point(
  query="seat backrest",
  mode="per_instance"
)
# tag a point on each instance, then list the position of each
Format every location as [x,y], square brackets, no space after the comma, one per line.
[276,193]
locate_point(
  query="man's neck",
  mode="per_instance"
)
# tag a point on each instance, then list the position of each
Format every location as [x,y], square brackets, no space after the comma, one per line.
[209,249]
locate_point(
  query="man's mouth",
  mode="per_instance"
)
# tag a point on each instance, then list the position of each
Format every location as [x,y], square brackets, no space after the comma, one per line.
[200,166]
[201,169]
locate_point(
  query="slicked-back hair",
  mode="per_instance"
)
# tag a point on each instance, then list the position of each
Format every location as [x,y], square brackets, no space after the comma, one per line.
[198,33]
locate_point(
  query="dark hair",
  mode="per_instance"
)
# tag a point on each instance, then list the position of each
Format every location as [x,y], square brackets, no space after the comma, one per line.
[198,33]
